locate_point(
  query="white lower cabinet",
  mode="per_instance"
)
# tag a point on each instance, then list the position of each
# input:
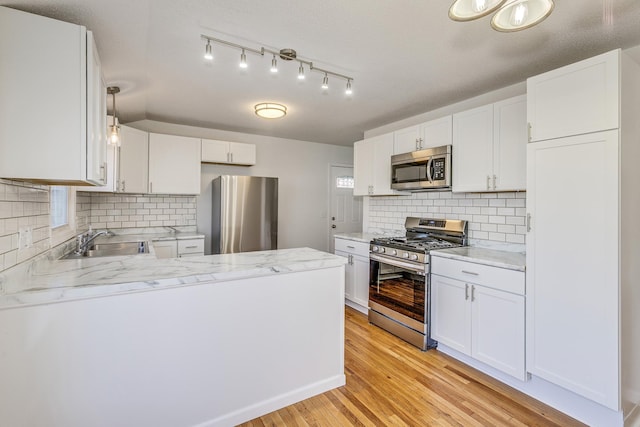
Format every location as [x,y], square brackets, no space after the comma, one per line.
[479,310]
[190,247]
[166,248]
[357,271]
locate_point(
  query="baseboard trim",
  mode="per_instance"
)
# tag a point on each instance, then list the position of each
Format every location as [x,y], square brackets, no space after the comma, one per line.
[278,402]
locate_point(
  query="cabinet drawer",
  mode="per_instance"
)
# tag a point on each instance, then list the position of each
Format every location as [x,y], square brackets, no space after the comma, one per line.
[469,272]
[352,247]
[195,246]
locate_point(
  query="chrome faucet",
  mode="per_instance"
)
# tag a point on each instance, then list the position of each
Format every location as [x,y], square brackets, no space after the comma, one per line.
[83,240]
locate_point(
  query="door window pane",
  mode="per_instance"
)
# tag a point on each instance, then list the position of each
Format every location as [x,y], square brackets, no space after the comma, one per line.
[344,182]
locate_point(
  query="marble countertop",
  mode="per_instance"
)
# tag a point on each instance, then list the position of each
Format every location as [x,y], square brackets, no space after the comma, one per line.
[51,281]
[503,259]
[362,237]
[153,237]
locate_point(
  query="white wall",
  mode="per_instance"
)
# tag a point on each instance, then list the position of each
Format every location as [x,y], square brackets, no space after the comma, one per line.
[486,98]
[303,171]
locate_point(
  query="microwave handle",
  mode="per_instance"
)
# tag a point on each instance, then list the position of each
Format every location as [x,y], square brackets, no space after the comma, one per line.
[429,164]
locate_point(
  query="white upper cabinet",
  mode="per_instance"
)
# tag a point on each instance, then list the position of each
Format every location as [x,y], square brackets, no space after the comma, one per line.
[434,133]
[53,102]
[96,116]
[489,147]
[236,153]
[577,99]
[174,164]
[133,161]
[510,144]
[473,149]
[372,166]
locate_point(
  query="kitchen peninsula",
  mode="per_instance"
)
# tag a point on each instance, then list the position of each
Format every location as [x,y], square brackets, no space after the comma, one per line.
[133,340]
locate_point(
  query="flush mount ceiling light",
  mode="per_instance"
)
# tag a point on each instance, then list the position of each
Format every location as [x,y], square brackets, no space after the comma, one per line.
[270,110]
[511,15]
[284,54]
[114,129]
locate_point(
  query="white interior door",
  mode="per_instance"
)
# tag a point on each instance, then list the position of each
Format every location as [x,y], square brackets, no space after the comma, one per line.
[345,211]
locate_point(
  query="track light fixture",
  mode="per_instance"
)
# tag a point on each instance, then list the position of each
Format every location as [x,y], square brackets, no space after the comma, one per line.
[511,15]
[284,54]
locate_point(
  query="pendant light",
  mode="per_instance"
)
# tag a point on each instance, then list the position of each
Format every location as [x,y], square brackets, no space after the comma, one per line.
[114,129]
[518,15]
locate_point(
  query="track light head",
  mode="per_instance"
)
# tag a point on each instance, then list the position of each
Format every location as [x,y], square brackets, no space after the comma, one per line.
[301,72]
[208,54]
[243,59]
[274,65]
[348,91]
[325,82]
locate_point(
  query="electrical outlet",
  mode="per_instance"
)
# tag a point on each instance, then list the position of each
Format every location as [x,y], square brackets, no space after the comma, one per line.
[29,237]
[25,238]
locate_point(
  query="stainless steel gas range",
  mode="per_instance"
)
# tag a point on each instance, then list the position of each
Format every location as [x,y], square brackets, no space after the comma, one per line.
[399,284]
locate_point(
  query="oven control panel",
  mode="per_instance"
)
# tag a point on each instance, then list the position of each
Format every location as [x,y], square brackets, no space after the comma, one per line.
[417,257]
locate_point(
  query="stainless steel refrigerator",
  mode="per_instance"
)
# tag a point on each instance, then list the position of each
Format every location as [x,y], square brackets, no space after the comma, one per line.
[244,214]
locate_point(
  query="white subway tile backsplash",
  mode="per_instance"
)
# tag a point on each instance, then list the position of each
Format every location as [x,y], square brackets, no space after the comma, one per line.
[497,217]
[126,211]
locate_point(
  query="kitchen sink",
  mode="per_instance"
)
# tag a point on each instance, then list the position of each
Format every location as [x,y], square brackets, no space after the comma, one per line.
[112,249]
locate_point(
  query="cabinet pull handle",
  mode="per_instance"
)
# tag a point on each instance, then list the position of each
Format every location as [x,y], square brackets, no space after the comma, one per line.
[488,180]
[466,291]
[473,291]
[529,131]
[123,186]
[528,222]
[231,157]
[351,247]
[151,187]
[469,272]
[190,247]
[494,182]
[417,144]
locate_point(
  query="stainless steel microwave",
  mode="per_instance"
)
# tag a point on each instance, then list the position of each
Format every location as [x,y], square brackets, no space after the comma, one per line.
[428,169]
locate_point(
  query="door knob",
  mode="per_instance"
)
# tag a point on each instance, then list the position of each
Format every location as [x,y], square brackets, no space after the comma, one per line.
[333,218]
[333,226]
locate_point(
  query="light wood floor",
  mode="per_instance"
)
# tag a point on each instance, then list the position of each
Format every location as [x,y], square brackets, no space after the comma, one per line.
[390,383]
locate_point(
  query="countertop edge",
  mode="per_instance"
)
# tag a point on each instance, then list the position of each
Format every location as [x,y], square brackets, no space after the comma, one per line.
[490,257]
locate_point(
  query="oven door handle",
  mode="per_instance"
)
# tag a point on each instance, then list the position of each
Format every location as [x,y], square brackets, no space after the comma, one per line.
[398,263]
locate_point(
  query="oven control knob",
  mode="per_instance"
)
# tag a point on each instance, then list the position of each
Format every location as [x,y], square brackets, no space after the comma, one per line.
[405,254]
[394,252]
[374,249]
[381,250]
[414,257]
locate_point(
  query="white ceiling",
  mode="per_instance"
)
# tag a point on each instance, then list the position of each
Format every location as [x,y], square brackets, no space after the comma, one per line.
[406,57]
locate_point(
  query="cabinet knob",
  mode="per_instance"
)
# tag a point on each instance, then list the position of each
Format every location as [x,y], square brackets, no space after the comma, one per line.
[333,226]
